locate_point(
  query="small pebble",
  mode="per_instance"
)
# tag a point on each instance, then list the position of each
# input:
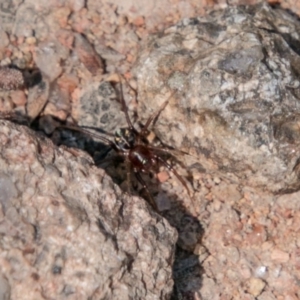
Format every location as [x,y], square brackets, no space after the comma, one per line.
[255,286]
[18,97]
[163,176]
[31,40]
[280,256]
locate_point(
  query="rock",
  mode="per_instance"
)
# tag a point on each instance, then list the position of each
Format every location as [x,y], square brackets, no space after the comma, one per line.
[8,15]
[68,231]
[98,107]
[26,18]
[266,296]
[11,79]
[58,104]
[48,58]
[77,4]
[255,286]
[88,56]
[37,98]
[233,234]
[4,39]
[233,82]
[233,86]
[4,288]
[280,256]
[18,98]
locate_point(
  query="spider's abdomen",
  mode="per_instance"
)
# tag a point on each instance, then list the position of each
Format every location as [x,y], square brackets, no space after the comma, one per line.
[141,158]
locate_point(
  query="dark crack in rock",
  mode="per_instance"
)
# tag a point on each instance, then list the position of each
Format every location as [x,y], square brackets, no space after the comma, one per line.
[68,232]
[237,105]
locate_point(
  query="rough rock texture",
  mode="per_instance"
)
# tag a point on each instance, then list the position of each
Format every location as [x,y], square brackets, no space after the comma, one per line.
[235,109]
[67,232]
[236,72]
[236,241]
[99,107]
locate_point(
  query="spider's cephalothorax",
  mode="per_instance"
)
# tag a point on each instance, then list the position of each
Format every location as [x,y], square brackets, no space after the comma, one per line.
[138,154]
[142,158]
[125,139]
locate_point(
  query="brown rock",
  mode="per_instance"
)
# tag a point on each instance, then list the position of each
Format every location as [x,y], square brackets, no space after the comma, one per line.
[11,79]
[18,98]
[37,98]
[279,256]
[255,286]
[88,56]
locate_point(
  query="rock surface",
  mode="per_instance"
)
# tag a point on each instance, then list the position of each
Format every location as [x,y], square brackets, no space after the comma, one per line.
[237,238]
[236,72]
[67,232]
[233,88]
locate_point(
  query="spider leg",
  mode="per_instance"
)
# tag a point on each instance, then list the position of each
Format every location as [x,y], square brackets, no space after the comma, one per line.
[99,130]
[124,107]
[174,153]
[169,151]
[91,134]
[153,118]
[171,169]
[145,187]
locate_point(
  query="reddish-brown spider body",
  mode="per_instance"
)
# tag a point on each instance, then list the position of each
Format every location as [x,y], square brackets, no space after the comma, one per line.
[142,159]
[138,154]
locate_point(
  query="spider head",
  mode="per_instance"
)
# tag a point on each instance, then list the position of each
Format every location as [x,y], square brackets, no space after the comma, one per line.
[124,139]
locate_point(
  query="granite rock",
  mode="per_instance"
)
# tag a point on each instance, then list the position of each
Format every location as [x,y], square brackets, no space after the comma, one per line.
[233,80]
[68,232]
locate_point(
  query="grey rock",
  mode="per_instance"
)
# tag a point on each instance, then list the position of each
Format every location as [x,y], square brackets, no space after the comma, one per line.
[7,14]
[48,57]
[108,53]
[26,18]
[234,75]
[11,79]
[99,108]
[71,233]
[31,21]
[8,191]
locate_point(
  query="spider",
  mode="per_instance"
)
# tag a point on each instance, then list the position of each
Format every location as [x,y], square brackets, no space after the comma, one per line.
[132,145]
